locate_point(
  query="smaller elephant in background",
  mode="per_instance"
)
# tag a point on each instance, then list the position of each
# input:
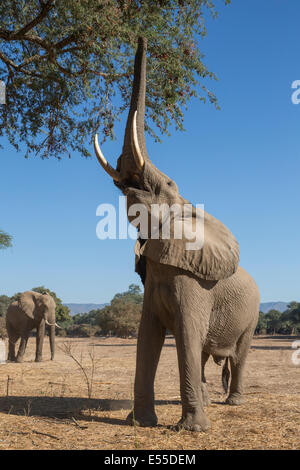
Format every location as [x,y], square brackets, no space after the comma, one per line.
[31,310]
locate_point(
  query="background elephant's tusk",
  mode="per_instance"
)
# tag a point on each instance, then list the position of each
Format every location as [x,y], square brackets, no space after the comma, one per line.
[52,324]
[138,157]
[103,162]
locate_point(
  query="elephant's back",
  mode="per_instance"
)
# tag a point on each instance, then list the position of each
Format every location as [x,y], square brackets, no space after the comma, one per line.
[13,311]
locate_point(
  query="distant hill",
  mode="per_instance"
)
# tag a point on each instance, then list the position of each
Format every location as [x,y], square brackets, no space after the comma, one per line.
[83,308]
[267,306]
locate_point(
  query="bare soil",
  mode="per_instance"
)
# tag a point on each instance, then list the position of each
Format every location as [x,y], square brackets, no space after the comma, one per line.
[49,405]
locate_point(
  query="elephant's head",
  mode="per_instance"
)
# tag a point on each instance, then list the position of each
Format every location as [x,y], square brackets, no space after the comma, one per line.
[38,307]
[217,256]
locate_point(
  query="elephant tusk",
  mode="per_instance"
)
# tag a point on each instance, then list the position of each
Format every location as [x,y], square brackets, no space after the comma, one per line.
[138,157]
[103,162]
[52,324]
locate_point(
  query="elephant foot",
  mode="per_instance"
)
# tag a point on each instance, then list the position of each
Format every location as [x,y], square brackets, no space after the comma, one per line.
[194,422]
[11,358]
[235,399]
[19,360]
[205,396]
[141,419]
[38,359]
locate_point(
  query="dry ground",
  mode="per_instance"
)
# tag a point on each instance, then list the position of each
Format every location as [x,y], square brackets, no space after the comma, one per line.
[46,405]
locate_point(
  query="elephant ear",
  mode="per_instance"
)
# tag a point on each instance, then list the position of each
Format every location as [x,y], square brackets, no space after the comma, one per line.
[26,302]
[216,258]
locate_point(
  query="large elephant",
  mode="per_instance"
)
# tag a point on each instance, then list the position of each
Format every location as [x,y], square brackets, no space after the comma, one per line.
[31,310]
[201,295]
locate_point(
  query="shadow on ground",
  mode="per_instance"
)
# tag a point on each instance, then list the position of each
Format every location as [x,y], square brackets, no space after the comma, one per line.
[66,407]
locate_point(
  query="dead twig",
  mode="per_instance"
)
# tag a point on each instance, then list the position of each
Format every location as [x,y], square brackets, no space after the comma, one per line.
[26,433]
[79,425]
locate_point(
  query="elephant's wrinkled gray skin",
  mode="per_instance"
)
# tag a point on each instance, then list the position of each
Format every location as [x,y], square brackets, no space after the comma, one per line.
[31,310]
[209,303]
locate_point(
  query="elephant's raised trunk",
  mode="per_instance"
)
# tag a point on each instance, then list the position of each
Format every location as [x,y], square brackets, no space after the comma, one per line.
[134,151]
[137,105]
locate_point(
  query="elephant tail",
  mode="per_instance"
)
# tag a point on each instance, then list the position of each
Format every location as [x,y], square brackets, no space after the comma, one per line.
[225,375]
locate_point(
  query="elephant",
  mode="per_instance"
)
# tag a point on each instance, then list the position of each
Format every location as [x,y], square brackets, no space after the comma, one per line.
[31,310]
[208,302]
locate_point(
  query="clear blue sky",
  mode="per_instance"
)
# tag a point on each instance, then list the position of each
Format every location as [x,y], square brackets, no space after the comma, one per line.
[241,162]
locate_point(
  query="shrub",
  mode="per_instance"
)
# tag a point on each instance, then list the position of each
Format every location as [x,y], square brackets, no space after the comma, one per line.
[82,331]
[3,332]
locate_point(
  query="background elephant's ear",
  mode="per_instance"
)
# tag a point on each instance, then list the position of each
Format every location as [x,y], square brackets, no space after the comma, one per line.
[26,302]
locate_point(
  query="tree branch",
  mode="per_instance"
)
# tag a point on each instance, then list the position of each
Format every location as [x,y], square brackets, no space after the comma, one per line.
[19,68]
[46,7]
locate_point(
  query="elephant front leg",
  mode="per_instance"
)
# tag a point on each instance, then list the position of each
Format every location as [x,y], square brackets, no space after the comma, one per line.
[12,348]
[188,344]
[40,333]
[150,341]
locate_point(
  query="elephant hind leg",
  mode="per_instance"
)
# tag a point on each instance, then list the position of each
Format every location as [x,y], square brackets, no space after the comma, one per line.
[12,339]
[237,363]
[22,347]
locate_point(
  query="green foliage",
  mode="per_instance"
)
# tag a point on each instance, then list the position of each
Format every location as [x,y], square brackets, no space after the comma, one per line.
[3,332]
[273,318]
[120,319]
[132,295]
[261,324]
[89,318]
[122,316]
[286,323]
[4,303]
[68,67]
[5,239]
[82,331]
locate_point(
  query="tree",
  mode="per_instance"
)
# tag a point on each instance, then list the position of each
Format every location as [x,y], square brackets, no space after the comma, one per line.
[64,62]
[261,324]
[133,295]
[90,318]
[122,316]
[4,303]
[120,319]
[292,316]
[5,239]
[273,318]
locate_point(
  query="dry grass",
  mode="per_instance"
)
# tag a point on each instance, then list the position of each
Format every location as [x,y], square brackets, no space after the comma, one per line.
[46,405]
